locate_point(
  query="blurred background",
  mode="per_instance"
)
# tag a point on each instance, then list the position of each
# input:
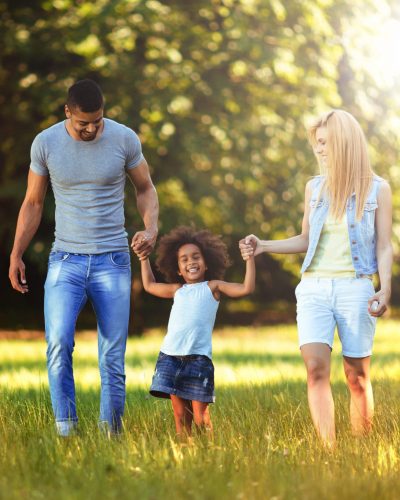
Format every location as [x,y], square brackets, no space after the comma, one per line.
[220,93]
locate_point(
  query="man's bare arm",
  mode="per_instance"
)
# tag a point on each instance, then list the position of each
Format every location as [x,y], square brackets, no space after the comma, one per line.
[147,202]
[28,222]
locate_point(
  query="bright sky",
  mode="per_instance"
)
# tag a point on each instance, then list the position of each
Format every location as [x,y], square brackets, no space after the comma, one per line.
[385,52]
[374,44]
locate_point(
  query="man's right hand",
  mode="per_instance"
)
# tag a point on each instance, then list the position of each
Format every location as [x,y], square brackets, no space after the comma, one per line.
[143,243]
[17,274]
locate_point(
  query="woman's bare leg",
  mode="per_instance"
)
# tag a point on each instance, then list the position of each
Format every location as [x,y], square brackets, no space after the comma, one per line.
[317,358]
[361,396]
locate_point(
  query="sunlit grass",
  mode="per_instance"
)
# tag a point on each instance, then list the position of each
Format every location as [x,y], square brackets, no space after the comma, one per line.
[264,445]
[242,356]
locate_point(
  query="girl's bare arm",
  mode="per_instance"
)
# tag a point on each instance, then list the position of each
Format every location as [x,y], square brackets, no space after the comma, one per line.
[163,290]
[236,290]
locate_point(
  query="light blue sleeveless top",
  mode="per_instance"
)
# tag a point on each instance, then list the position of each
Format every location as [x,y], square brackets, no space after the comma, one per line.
[362,234]
[191,321]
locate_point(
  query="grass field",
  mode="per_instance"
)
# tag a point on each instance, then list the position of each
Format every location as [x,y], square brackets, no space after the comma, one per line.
[264,445]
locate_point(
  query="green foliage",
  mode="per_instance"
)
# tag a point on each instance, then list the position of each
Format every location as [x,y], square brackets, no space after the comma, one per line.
[220,92]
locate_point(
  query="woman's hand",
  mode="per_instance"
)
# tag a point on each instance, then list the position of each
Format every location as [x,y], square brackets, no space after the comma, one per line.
[382,298]
[250,246]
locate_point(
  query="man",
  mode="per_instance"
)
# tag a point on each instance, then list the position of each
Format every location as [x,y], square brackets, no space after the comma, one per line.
[86,157]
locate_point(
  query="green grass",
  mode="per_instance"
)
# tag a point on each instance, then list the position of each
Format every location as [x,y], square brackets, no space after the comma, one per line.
[264,446]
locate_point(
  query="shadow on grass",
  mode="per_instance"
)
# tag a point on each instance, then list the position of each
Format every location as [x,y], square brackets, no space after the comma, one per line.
[378,361]
[256,358]
[79,363]
[134,361]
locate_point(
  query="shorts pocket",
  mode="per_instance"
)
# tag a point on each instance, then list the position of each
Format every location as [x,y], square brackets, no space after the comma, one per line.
[370,285]
[203,362]
[298,288]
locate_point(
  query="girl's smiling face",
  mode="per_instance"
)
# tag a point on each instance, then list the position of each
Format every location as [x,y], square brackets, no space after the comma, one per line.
[191,264]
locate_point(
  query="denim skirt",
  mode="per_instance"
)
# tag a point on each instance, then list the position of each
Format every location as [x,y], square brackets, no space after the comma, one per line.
[188,377]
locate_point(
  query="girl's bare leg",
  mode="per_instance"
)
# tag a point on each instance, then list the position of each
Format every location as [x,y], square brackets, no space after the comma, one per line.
[183,415]
[201,416]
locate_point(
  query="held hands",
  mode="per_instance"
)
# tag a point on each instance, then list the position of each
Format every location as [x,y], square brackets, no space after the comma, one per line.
[143,243]
[378,303]
[250,246]
[17,275]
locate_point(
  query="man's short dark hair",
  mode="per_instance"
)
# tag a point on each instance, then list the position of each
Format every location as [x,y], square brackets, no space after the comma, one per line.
[85,95]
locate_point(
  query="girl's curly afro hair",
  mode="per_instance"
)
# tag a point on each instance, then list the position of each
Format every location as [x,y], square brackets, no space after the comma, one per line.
[213,249]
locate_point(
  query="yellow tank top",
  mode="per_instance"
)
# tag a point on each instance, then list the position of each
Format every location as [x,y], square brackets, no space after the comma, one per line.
[332,258]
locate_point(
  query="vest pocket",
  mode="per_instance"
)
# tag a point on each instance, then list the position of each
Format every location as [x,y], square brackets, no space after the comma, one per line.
[370,205]
[367,225]
[316,203]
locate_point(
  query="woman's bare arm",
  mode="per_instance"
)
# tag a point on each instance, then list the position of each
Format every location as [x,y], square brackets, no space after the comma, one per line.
[251,245]
[384,250]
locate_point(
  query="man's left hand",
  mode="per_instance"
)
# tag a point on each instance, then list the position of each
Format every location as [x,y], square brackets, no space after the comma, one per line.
[143,243]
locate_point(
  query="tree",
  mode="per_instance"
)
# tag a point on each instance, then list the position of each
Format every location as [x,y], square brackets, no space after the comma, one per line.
[219,92]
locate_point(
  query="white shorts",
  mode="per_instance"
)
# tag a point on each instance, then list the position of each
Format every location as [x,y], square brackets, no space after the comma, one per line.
[324,303]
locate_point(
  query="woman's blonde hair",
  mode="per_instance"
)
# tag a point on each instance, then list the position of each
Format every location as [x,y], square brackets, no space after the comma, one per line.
[348,168]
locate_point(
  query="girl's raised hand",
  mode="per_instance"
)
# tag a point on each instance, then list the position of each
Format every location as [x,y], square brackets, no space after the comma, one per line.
[143,243]
[248,246]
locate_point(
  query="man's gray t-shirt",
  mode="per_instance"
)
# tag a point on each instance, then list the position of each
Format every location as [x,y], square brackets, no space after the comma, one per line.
[88,180]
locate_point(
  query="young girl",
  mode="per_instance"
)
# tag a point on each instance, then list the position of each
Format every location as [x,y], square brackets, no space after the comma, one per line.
[193,263]
[346,234]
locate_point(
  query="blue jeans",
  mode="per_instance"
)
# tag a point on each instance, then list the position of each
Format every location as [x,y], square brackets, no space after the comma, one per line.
[72,279]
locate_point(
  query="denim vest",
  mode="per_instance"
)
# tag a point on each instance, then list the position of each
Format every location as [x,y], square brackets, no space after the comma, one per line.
[362,233]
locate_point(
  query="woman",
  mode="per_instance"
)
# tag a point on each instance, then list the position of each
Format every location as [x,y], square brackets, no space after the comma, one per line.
[346,232]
